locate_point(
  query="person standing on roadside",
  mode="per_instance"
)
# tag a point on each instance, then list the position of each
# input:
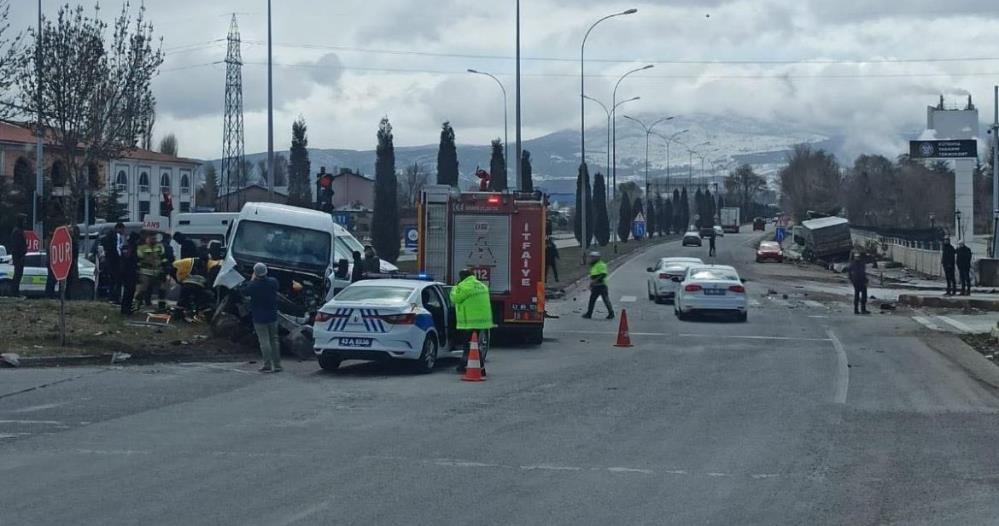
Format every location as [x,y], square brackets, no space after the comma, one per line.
[474,313]
[263,293]
[151,262]
[947,260]
[711,243]
[551,258]
[357,270]
[858,277]
[963,260]
[18,250]
[128,273]
[113,244]
[371,262]
[598,286]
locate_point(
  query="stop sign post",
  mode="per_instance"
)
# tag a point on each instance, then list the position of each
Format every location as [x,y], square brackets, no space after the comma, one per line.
[60,261]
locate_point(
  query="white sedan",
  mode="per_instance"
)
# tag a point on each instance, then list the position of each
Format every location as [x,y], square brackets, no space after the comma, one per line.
[661,283]
[711,288]
[385,320]
[36,275]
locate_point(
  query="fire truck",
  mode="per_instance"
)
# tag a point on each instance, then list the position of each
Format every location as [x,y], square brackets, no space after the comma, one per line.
[500,236]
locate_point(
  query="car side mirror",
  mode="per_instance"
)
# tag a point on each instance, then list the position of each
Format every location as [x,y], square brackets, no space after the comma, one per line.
[650,269]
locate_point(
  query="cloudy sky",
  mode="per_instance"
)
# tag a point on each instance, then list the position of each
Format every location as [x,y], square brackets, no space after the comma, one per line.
[862,68]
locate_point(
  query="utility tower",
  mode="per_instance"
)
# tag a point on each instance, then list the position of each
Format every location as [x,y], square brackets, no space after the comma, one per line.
[233,176]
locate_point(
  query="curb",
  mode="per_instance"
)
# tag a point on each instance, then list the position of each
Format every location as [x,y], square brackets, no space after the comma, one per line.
[966,357]
[966,302]
[106,359]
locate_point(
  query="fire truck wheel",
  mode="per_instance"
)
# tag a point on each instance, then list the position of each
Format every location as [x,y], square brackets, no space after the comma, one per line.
[535,336]
[428,358]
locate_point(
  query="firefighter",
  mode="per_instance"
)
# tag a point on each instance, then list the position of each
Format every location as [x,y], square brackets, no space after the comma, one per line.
[152,258]
[474,313]
[598,286]
[192,274]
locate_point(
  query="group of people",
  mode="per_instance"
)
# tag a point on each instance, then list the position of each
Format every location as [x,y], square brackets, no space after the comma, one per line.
[368,263]
[961,259]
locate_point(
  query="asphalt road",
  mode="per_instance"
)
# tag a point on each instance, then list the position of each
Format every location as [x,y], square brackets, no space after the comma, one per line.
[806,414]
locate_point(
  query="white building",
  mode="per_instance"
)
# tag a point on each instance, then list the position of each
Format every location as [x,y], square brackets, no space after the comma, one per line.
[944,123]
[143,177]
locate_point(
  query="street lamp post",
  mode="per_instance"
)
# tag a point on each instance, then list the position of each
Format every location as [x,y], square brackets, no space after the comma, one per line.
[506,142]
[584,241]
[648,132]
[270,109]
[614,106]
[669,140]
[609,113]
[519,161]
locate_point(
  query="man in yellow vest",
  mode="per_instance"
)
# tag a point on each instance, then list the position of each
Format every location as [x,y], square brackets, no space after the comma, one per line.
[474,313]
[598,286]
[151,257]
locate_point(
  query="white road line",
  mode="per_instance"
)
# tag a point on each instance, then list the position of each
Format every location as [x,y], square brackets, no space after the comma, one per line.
[925,322]
[33,408]
[694,335]
[956,324]
[33,422]
[813,303]
[628,299]
[842,369]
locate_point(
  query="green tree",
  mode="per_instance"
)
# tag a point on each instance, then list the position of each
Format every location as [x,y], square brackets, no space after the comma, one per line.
[209,192]
[10,61]
[601,223]
[497,167]
[709,208]
[583,192]
[650,217]
[699,208]
[678,221]
[169,145]
[685,209]
[299,167]
[110,207]
[666,217]
[94,91]
[527,173]
[385,236]
[447,157]
[624,218]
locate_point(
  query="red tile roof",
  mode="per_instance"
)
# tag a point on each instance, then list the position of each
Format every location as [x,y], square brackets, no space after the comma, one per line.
[11,132]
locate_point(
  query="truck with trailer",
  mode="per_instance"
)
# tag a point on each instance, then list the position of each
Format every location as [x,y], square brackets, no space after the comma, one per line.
[730,220]
[500,236]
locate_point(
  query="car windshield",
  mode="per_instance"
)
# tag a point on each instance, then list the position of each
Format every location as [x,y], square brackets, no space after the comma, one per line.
[769,246]
[673,261]
[713,274]
[346,245]
[377,294]
[281,245]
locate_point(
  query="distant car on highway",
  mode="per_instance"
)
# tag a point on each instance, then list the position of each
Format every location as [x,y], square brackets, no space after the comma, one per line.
[36,274]
[711,288]
[691,239]
[769,251]
[386,320]
[759,224]
[666,275]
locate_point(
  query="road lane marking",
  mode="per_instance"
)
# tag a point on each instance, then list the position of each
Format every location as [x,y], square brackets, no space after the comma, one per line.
[956,324]
[925,322]
[813,303]
[695,335]
[842,369]
[34,422]
[33,408]
[628,299]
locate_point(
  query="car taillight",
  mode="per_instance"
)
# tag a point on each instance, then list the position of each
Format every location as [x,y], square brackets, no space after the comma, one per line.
[738,289]
[665,276]
[400,319]
[692,288]
[323,317]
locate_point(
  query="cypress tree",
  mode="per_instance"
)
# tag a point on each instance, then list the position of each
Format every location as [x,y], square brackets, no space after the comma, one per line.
[624,219]
[636,208]
[601,223]
[299,167]
[678,225]
[699,208]
[709,207]
[659,214]
[527,172]
[651,218]
[447,157]
[666,217]
[385,236]
[497,168]
[110,209]
[583,192]
[685,208]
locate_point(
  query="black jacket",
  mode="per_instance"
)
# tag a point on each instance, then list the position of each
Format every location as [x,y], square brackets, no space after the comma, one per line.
[858,273]
[110,245]
[372,264]
[948,255]
[18,245]
[964,258]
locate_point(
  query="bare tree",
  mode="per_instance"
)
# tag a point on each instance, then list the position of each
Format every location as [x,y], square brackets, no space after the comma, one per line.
[811,181]
[168,145]
[94,95]
[412,183]
[746,185]
[11,60]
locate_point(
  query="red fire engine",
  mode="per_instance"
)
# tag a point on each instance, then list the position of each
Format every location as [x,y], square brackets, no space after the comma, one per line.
[501,237]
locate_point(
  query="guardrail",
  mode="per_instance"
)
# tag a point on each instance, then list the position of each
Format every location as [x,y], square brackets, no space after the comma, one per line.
[922,257]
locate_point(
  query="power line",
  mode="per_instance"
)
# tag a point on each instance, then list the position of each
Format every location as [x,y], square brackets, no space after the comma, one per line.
[474,56]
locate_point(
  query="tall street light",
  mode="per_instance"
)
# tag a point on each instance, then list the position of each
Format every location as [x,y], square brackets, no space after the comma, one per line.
[648,132]
[584,242]
[270,109]
[519,161]
[609,112]
[670,140]
[614,124]
[506,131]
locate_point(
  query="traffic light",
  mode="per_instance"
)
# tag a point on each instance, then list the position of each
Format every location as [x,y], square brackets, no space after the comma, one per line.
[324,194]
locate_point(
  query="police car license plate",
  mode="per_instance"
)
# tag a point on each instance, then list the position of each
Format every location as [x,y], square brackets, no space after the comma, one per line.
[714,292]
[355,342]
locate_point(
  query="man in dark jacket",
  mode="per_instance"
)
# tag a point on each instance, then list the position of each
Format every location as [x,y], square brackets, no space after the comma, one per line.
[113,243]
[963,259]
[188,249]
[551,258]
[711,243]
[947,260]
[263,293]
[371,262]
[357,270]
[128,272]
[18,249]
[858,277]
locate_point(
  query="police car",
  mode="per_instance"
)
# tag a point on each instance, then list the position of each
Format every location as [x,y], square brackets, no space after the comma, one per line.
[384,320]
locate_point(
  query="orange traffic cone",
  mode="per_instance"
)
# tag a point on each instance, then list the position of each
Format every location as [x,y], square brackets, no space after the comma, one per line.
[473,370]
[623,338]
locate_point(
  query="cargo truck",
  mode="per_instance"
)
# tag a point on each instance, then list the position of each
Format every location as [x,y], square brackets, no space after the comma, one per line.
[730,221]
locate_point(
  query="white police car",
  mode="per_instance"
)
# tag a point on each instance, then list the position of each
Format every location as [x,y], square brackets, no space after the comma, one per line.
[384,320]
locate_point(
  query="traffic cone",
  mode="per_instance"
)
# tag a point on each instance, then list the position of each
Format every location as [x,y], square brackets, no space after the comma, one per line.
[473,369]
[623,338]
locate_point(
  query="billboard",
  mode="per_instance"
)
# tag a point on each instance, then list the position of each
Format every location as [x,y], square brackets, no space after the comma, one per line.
[960,149]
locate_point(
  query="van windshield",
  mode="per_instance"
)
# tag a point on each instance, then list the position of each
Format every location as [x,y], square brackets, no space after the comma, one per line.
[281,245]
[346,245]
